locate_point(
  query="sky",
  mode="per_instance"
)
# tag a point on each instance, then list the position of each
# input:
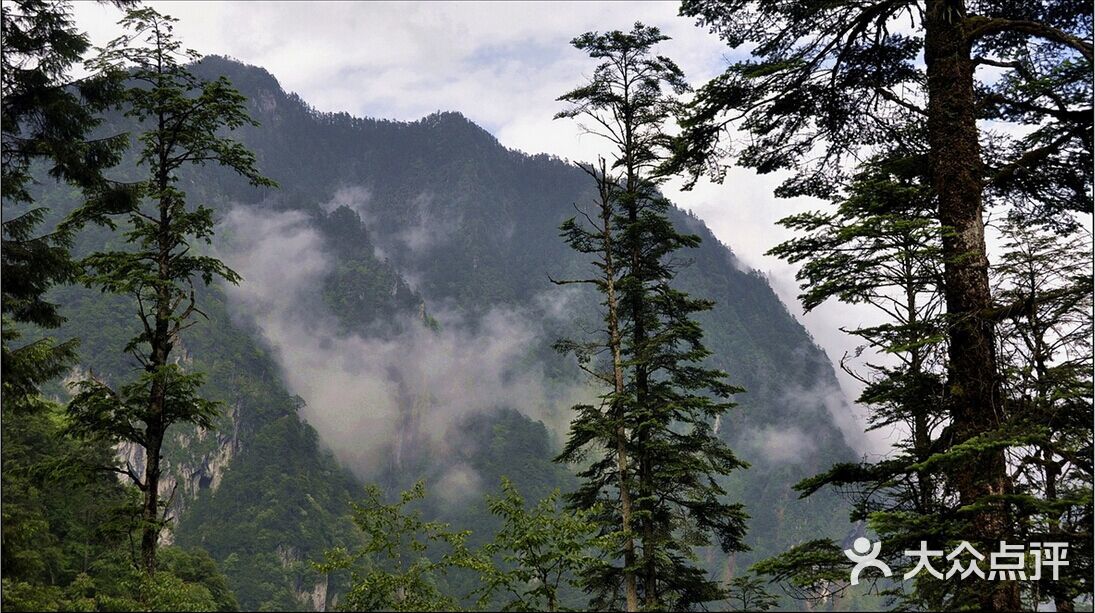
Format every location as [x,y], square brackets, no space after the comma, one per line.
[502,65]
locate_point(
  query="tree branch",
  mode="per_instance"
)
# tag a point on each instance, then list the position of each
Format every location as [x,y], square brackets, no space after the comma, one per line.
[979,27]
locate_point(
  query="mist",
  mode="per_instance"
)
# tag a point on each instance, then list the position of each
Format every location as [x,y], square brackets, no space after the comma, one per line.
[376,401]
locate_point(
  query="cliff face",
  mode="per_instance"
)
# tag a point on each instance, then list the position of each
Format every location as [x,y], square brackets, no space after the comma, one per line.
[396,299]
[197,462]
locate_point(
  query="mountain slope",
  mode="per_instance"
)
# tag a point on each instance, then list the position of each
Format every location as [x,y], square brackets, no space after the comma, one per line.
[398,282]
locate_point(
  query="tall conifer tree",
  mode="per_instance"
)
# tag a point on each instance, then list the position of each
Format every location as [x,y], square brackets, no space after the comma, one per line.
[1044,287]
[657,422]
[881,248]
[834,82]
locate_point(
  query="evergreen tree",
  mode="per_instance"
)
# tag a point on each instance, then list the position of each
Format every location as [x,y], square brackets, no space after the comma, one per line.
[747,593]
[1044,283]
[183,119]
[881,248]
[598,237]
[46,118]
[836,81]
[669,400]
[63,525]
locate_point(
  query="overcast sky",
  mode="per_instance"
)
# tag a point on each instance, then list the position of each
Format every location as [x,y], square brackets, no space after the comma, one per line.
[500,64]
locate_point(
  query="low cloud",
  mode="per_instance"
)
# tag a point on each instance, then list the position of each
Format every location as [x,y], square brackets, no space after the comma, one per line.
[428,228]
[381,402]
[846,416]
[403,61]
[354,197]
[780,446]
[459,485]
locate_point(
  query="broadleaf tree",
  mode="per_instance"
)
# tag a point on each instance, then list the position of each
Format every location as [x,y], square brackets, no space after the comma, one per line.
[402,558]
[538,554]
[182,119]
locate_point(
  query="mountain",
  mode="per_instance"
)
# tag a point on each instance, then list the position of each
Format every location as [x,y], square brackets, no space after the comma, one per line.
[395,322]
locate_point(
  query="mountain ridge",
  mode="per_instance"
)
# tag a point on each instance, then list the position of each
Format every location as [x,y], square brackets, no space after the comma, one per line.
[430,244]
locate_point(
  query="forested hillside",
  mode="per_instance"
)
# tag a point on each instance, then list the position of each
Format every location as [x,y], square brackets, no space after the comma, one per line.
[256,356]
[474,225]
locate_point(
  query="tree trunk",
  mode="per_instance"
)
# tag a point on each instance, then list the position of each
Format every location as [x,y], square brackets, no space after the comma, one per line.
[159,350]
[154,435]
[150,514]
[650,571]
[632,194]
[646,488]
[631,591]
[973,384]
[154,425]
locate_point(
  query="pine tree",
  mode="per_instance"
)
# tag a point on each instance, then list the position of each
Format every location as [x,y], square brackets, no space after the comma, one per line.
[666,400]
[182,118]
[832,82]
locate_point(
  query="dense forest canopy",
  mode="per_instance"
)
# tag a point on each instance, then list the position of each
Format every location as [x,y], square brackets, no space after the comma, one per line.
[258,356]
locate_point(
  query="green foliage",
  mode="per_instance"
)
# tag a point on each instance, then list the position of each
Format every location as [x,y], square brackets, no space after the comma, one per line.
[501,208]
[96,410]
[41,45]
[1045,290]
[659,417]
[881,248]
[182,119]
[748,593]
[532,563]
[535,551]
[68,526]
[363,290]
[196,567]
[810,571]
[831,82]
[47,118]
[62,517]
[165,592]
[400,572]
[494,245]
[29,366]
